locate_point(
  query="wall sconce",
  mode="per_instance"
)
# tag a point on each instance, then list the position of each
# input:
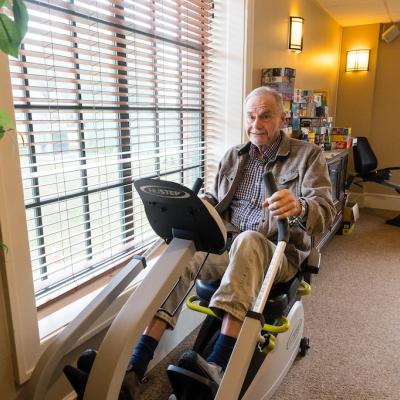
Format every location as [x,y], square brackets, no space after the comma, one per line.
[296,34]
[357,60]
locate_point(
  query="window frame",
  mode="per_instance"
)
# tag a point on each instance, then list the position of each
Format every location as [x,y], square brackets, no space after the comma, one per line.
[233,64]
[53,277]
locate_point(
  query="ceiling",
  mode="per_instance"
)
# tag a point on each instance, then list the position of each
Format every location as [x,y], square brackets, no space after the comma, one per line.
[362,12]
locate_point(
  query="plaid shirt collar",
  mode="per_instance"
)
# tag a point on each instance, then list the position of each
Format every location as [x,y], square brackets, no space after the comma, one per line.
[269,153]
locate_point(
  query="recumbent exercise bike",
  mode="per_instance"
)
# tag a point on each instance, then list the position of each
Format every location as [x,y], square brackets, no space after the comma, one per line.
[268,342]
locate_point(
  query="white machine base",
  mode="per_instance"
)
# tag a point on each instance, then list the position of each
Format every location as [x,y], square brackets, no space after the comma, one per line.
[279,360]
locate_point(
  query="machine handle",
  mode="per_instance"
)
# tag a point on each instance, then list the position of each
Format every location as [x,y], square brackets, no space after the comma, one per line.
[197,185]
[283,327]
[270,189]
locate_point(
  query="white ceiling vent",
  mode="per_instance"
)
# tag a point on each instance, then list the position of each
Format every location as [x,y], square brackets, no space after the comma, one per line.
[390,34]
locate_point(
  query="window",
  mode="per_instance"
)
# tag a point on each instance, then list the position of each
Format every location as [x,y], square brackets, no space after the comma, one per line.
[225,84]
[105,92]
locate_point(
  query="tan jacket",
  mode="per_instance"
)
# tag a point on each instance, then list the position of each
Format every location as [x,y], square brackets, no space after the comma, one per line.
[299,167]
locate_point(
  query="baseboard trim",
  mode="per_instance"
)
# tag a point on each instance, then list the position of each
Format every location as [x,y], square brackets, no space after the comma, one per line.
[376,200]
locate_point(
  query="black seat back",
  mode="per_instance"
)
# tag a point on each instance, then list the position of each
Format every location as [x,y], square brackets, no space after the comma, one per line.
[364,158]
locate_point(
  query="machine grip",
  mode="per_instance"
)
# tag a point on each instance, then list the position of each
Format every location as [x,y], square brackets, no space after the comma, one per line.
[197,185]
[270,189]
[270,184]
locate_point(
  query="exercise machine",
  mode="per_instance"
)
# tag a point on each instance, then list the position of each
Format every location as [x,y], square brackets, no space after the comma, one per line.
[188,224]
[269,340]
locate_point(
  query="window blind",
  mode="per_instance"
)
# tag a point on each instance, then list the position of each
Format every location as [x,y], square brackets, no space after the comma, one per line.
[105,92]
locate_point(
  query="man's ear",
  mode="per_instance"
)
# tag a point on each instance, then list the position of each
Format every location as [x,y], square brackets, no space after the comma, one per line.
[282,118]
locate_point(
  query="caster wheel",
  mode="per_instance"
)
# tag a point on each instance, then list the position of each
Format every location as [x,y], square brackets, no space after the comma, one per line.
[304,346]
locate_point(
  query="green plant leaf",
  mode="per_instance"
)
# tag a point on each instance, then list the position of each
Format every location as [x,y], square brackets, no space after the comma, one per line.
[5,120]
[9,36]
[13,31]
[5,248]
[20,18]
[6,3]
[2,131]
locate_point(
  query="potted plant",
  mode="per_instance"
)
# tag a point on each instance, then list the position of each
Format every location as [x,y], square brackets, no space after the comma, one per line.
[12,31]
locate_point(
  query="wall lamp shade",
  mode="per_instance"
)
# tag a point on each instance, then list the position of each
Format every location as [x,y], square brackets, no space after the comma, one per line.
[357,60]
[296,34]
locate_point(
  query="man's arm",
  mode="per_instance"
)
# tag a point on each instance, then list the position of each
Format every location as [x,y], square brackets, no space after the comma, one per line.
[212,195]
[316,190]
[314,208]
[220,186]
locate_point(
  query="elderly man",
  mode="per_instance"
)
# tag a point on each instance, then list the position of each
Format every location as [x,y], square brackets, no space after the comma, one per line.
[303,196]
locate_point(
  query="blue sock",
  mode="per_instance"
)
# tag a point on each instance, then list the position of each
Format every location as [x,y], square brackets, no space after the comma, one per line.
[142,355]
[222,350]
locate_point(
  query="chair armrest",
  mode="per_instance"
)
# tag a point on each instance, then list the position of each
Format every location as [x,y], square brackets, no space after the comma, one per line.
[387,169]
[393,168]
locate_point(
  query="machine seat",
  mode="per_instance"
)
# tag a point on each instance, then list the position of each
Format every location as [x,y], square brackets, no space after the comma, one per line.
[282,294]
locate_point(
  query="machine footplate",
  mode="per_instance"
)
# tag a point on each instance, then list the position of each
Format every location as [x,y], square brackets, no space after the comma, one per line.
[189,385]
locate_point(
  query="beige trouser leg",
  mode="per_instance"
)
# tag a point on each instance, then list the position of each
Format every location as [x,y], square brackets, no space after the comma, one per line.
[249,258]
[213,268]
[242,273]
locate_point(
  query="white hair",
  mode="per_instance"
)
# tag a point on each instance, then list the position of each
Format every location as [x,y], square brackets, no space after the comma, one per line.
[266,90]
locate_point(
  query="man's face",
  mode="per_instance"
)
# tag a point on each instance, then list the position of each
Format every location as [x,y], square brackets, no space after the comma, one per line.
[263,119]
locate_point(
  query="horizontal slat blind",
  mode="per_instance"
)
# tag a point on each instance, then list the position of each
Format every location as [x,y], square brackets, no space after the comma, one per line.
[105,92]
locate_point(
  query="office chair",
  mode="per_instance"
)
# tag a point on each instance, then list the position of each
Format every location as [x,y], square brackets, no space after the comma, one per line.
[365,164]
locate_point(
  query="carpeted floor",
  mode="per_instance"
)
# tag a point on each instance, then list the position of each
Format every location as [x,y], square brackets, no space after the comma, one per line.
[352,319]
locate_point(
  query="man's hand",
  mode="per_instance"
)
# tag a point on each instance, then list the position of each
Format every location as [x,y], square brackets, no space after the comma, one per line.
[283,204]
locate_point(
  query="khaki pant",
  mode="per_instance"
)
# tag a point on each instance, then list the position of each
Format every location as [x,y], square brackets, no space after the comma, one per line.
[242,272]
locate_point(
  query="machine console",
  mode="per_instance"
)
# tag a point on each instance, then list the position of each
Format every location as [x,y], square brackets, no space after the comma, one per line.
[174,210]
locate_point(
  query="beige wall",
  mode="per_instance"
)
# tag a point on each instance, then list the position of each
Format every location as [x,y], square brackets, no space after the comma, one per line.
[356,89]
[317,65]
[385,131]
[369,101]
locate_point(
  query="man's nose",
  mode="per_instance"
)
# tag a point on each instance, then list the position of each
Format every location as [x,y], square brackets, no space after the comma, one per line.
[257,123]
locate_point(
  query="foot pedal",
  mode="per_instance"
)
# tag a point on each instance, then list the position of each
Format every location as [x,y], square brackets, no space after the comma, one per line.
[78,376]
[77,379]
[188,385]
